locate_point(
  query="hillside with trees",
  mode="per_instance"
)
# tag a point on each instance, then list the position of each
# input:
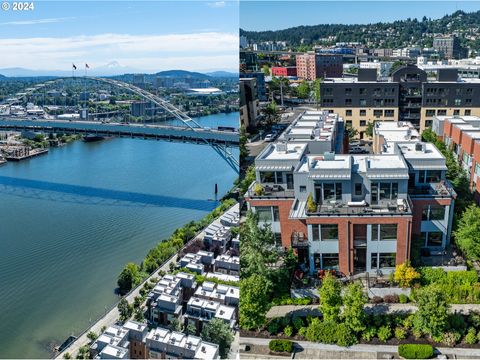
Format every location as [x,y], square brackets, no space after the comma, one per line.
[382,35]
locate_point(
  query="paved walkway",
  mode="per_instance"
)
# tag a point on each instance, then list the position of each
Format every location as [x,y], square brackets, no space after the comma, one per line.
[113,315]
[304,310]
[312,348]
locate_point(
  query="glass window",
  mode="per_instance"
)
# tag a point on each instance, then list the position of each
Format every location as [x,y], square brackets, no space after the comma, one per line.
[421,177]
[330,261]
[264,213]
[433,176]
[394,190]
[375,232]
[374,263]
[435,238]
[425,212]
[338,191]
[329,232]
[316,232]
[387,260]
[374,190]
[437,212]
[267,177]
[317,261]
[363,123]
[384,191]
[388,232]
[358,189]
[303,188]
[348,112]
[279,177]
[363,112]
[276,213]
[328,192]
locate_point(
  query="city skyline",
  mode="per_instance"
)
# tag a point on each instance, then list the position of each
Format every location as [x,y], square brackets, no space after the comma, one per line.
[282,15]
[31,40]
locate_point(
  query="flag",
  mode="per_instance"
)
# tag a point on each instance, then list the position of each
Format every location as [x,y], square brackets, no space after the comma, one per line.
[74,67]
[86,65]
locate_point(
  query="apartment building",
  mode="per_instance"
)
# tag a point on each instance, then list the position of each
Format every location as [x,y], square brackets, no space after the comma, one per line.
[284,71]
[449,47]
[249,103]
[408,95]
[353,213]
[312,66]
[199,263]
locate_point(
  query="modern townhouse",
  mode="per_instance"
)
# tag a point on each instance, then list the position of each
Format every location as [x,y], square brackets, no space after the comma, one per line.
[354,213]
[200,311]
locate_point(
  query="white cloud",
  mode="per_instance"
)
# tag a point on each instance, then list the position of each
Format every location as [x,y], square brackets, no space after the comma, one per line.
[193,51]
[217,4]
[38,21]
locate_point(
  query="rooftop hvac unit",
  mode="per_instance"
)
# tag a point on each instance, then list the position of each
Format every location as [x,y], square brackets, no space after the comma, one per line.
[282,147]
[418,146]
[329,156]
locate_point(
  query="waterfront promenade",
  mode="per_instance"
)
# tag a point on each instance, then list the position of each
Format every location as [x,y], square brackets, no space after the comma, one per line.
[112,316]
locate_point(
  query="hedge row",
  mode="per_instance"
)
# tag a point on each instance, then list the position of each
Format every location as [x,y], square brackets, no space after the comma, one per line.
[281,346]
[415,351]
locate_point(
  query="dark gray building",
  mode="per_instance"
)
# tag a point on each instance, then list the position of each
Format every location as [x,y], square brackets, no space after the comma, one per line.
[449,47]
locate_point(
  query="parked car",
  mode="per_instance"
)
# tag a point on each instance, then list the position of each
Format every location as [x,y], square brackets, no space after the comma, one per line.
[269,137]
[358,150]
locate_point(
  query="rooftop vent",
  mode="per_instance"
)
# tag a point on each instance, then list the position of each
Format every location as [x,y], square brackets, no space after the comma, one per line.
[282,146]
[420,147]
[204,349]
[328,156]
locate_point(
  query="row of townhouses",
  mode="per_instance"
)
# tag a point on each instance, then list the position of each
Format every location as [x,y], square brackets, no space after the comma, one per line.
[352,213]
[462,135]
[179,298]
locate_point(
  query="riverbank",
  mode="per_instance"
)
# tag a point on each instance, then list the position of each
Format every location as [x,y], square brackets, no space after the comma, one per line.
[112,316]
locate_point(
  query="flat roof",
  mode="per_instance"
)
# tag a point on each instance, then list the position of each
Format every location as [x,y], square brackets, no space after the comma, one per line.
[409,151]
[294,151]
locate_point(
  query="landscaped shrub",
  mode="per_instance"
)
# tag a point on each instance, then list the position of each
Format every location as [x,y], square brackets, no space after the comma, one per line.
[369,333]
[284,321]
[302,331]
[450,338]
[391,299]
[400,333]
[384,333]
[471,337]
[377,300]
[322,331]
[415,351]
[403,298]
[288,331]
[273,327]
[405,274]
[474,319]
[281,346]
[289,301]
[431,275]
[408,321]
[457,322]
[345,336]
[297,323]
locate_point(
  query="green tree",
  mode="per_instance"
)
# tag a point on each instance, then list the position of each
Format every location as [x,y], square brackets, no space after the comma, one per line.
[67,355]
[191,329]
[370,126]
[176,325]
[303,90]
[266,70]
[330,298]
[316,91]
[139,315]
[351,132]
[92,336]
[354,299]
[129,277]
[125,309]
[253,302]
[243,144]
[218,332]
[467,233]
[432,314]
[271,113]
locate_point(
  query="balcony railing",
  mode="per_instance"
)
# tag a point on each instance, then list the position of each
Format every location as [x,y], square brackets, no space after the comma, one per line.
[299,240]
[262,191]
[392,207]
[442,189]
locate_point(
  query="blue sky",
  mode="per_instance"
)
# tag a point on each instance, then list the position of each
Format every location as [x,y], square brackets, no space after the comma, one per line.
[148,36]
[275,15]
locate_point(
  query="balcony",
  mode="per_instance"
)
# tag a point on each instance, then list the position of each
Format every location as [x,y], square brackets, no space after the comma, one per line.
[391,208]
[299,240]
[442,189]
[269,191]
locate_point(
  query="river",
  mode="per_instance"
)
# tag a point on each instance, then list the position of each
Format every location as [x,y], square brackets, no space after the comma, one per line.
[70,220]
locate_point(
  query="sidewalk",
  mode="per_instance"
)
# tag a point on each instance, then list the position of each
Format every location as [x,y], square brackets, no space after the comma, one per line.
[383,308]
[313,350]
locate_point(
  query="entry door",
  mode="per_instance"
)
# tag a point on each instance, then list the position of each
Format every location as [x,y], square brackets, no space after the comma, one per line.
[360,260]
